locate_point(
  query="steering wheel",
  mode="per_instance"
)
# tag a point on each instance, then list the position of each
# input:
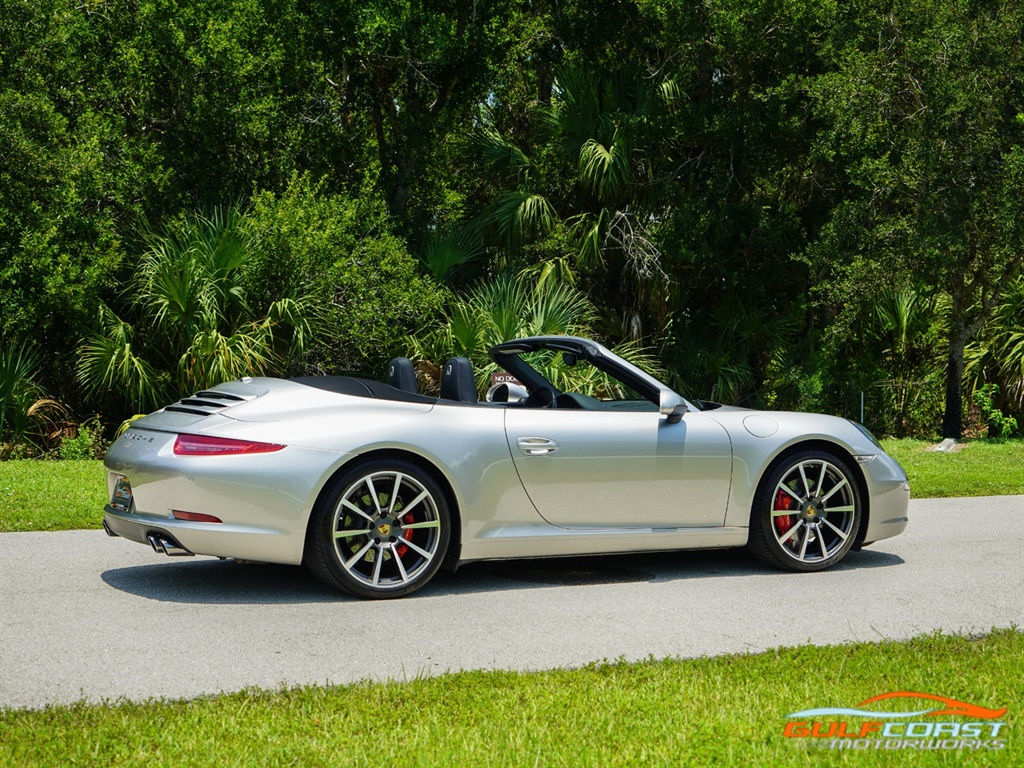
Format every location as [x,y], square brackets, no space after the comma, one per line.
[542,397]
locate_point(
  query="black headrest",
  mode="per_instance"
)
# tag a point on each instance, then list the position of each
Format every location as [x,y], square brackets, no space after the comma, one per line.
[401,375]
[457,380]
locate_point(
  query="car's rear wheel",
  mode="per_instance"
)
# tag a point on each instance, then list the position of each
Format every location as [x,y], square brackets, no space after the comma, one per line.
[806,513]
[380,531]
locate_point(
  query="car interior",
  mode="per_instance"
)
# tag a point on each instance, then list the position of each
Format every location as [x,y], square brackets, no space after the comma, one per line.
[458,385]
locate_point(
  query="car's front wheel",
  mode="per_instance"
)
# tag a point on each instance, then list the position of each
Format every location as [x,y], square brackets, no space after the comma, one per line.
[806,513]
[380,531]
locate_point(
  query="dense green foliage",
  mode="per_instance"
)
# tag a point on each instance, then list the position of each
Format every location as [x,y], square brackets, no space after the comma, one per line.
[729,710]
[340,253]
[790,204]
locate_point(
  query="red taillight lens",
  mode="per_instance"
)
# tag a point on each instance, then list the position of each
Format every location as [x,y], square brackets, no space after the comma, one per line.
[203,445]
[195,517]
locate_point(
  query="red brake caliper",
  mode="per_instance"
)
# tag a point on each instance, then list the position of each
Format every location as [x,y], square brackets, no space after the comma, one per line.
[401,549]
[783,501]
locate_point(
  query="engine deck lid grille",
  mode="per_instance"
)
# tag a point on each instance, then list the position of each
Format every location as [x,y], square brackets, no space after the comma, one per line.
[187,412]
[208,402]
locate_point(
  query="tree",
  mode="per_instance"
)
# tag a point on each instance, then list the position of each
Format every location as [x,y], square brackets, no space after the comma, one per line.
[923,146]
[589,185]
[411,73]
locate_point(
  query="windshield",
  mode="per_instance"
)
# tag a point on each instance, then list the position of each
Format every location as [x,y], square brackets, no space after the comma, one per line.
[570,374]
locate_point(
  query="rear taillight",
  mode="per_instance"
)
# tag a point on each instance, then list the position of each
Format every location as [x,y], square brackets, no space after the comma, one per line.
[204,445]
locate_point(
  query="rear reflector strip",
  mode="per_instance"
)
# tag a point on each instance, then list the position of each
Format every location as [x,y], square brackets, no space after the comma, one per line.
[195,517]
[204,445]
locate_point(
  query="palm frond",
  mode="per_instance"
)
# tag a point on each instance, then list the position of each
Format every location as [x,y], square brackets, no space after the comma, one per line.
[214,357]
[499,307]
[898,313]
[557,270]
[589,232]
[19,365]
[604,168]
[498,154]
[444,253]
[575,106]
[106,363]
[671,93]
[558,309]
[520,215]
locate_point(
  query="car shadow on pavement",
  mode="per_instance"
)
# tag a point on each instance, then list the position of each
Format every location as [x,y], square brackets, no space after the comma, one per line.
[652,567]
[207,581]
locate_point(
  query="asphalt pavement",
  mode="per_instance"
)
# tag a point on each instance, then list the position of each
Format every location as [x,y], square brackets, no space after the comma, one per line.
[84,616]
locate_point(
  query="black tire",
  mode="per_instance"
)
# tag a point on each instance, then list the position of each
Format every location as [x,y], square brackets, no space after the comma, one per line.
[399,526]
[806,512]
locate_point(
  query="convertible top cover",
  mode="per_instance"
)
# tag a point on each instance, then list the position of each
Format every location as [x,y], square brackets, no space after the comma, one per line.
[348,385]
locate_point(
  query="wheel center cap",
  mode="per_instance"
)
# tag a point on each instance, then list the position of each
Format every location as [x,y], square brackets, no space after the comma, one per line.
[812,510]
[384,529]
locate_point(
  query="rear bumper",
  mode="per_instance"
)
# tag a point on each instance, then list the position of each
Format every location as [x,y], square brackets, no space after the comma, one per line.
[161,541]
[218,540]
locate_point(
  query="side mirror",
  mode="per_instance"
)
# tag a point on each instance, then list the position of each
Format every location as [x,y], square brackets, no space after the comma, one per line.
[672,406]
[505,392]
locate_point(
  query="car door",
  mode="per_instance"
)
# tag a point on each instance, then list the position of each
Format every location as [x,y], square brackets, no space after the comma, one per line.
[621,469]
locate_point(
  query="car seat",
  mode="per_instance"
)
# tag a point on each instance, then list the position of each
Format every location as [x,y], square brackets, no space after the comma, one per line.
[401,375]
[457,381]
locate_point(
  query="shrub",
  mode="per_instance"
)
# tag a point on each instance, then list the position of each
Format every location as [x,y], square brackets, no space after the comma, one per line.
[86,442]
[999,425]
[341,252]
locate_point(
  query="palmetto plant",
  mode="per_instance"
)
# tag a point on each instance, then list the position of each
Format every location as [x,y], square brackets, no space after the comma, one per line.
[513,307]
[902,319]
[997,356]
[26,414]
[724,353]
[445,253]
[190,323]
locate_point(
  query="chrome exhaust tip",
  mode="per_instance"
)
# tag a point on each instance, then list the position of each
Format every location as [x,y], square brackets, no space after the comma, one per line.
[163,544]
[107,529]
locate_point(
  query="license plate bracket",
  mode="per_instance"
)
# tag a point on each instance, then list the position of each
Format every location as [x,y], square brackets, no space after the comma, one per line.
[121,499]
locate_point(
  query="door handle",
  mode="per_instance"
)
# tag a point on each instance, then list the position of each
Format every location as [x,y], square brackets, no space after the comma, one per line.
[536,446]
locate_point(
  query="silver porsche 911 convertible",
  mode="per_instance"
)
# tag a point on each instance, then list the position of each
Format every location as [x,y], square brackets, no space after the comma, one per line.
[375,486]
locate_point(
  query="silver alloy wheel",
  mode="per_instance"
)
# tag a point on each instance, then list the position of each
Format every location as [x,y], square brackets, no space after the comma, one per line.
[813,511]
[386,530]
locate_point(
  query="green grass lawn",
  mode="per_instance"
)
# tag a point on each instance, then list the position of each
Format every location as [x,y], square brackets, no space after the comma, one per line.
[65,495]
[51,495]
[722,711]
[979,468]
